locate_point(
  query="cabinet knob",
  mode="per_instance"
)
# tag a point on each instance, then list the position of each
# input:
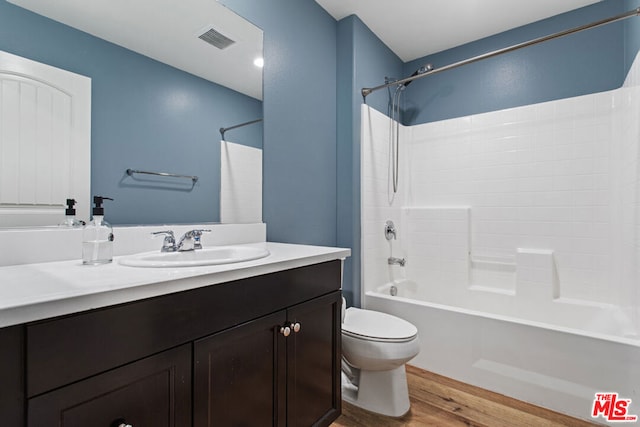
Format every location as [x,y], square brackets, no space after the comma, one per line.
[285,330]
[120,422]
[296,327]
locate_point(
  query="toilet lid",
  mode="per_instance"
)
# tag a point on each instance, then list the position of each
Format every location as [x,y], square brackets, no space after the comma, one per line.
[377,326]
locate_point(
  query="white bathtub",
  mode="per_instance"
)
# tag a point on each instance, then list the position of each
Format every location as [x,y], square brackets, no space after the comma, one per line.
[557,367]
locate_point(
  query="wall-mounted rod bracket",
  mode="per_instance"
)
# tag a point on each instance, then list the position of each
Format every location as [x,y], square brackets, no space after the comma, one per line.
[223,130]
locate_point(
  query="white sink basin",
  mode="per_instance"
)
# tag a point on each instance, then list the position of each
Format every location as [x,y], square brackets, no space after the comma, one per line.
[206,256]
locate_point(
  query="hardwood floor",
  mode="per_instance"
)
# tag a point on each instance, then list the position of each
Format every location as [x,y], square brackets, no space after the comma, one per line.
[441,401]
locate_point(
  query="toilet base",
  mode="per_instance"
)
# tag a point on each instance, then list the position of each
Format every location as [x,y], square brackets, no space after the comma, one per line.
[382,392]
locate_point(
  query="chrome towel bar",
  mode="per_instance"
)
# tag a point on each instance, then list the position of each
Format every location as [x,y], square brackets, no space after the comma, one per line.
[193,178]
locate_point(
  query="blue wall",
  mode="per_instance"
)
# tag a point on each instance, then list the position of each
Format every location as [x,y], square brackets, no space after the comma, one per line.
[299,202]
[631,34]
[145,115]
[363,60]
[313,74]
[312,79]
[582,63]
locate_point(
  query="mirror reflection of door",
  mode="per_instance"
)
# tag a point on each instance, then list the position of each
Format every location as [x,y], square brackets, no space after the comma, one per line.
[45,142]
[159,94]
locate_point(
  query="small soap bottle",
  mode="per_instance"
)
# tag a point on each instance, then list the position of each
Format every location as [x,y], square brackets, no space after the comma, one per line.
[70,220]
[97,237]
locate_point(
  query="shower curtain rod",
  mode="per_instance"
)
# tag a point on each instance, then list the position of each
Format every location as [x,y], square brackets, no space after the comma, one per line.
[223,130]
[366,91]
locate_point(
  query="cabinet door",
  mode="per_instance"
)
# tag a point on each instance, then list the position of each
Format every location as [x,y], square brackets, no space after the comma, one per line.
[313,362]
[239,375]
[12,388]
[155,391]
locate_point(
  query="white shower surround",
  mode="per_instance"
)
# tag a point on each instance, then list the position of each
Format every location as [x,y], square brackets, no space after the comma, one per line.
[560,176]
[528,218]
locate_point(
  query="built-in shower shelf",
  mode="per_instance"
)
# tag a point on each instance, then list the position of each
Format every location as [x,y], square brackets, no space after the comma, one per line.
[493,274]
[501,291]
[503,264]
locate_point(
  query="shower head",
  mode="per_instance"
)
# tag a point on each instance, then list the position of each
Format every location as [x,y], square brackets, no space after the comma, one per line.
[423,69]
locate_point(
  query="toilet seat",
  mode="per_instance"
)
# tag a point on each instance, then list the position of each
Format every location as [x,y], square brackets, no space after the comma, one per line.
[376,326]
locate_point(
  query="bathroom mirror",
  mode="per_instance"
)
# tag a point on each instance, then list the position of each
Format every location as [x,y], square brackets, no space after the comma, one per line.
[166,76]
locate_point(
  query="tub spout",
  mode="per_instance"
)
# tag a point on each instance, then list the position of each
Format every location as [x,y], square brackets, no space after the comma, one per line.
[399,261]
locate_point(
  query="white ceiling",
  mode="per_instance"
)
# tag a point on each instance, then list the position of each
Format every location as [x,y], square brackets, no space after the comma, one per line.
[416,28]
[167,31]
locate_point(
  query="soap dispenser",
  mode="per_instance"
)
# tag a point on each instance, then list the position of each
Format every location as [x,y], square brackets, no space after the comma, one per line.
[97,237]
[70,220]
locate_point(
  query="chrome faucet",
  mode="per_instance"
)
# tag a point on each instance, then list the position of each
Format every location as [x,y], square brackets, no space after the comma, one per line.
[191,240]
[397,261]
[188,242]
[169,242]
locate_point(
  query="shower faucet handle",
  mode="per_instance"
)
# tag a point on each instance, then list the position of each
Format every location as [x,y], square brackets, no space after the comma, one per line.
[389,230]
[396,261]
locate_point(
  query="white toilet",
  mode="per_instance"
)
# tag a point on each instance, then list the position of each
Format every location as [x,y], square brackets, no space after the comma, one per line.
[375,347]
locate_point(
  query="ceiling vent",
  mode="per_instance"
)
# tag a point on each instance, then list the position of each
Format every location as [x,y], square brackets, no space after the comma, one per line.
[216,39]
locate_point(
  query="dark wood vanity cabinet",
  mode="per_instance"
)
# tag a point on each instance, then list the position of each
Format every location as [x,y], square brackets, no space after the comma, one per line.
[155,391]
[314,357]
[238,374]
[212,356]
[279,370]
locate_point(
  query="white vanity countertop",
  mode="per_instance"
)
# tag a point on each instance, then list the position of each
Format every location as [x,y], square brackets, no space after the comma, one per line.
[38,291]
